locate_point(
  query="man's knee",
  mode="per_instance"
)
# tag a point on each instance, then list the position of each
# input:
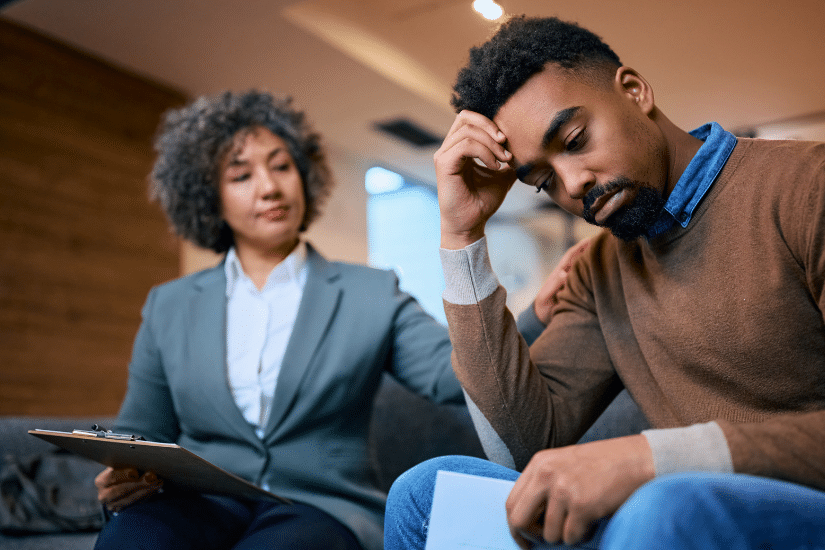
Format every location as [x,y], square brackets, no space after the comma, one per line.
[692,510]
[419,479]
[662,497]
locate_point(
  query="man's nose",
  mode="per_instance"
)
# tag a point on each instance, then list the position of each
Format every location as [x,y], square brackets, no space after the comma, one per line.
[576,182]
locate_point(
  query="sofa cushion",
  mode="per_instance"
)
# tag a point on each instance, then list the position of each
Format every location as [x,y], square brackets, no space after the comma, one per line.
[407,429]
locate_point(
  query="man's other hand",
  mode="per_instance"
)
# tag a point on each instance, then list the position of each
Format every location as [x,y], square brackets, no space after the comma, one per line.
[564,492]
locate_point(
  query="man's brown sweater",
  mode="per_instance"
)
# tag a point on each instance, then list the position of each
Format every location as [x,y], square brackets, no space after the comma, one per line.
[718,322]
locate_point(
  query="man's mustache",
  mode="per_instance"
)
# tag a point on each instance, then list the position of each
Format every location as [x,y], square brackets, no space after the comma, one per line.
[613,185]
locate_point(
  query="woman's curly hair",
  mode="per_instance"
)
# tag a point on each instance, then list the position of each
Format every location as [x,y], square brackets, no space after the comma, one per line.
[191,145]
[520,48]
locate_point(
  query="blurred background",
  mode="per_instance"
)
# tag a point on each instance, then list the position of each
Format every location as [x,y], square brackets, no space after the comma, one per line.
[83,84]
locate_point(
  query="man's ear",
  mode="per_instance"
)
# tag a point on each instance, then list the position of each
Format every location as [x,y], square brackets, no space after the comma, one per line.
[635,88]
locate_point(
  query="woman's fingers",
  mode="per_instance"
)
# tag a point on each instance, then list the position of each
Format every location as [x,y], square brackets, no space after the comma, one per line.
[118,488]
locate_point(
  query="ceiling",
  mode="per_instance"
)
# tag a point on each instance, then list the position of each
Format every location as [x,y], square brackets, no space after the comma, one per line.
[351,64]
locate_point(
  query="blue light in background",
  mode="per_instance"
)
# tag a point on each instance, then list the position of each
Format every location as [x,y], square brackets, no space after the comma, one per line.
[380,180]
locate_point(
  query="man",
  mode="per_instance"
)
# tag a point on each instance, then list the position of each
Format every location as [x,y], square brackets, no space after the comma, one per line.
[704,300]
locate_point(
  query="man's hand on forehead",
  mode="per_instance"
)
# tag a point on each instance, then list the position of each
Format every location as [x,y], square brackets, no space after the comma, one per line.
[474,174]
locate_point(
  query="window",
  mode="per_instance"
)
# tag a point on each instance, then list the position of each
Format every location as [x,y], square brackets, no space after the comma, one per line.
[403,232]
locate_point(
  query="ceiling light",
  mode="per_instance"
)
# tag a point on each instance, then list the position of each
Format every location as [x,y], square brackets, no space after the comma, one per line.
[489,9]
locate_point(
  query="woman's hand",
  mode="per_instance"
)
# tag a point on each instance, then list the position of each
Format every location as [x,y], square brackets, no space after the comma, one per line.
[119,488]
[546,299]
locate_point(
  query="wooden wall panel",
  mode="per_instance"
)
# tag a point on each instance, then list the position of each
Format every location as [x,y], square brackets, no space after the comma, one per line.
[81,243]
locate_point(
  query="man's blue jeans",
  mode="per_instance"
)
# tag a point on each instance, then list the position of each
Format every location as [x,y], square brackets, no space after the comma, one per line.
[684,511]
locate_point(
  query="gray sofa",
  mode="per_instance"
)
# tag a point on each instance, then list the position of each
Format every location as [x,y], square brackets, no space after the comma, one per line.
[406,430]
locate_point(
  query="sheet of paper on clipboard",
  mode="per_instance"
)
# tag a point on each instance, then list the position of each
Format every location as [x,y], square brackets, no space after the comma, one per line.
[171,462]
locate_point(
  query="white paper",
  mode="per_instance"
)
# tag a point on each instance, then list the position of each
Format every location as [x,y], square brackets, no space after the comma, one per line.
[468,514]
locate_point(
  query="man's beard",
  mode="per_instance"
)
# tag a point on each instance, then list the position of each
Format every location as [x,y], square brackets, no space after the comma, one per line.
[632,221]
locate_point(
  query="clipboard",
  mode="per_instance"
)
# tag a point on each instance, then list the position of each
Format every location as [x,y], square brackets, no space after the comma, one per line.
[171,462]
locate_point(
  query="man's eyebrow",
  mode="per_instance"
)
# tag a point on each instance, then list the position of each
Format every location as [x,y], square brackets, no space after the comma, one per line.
[562,117]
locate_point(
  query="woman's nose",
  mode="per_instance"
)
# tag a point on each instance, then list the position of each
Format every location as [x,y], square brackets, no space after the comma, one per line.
[267,183]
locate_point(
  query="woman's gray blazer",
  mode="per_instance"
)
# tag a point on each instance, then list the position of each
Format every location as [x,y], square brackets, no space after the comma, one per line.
[352,325]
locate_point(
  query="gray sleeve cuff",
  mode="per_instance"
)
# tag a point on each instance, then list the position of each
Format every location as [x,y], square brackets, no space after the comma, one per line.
[468,274]
[529,325]
[700,447]
[494,447]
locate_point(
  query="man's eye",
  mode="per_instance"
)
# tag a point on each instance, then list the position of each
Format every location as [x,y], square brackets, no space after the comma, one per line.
[543,185]
[576,142]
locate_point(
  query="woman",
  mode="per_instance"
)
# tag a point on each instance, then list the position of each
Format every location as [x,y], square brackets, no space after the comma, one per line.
[267,364]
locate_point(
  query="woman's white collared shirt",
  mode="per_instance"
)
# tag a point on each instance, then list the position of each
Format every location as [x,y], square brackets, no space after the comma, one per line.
[258,327]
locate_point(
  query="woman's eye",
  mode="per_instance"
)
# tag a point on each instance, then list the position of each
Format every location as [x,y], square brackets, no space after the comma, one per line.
[240,177]
[282,167]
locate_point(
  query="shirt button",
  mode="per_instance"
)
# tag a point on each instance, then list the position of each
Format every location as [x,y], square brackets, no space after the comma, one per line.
[683,217]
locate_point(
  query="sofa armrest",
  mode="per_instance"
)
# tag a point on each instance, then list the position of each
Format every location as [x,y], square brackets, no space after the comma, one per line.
[15,439]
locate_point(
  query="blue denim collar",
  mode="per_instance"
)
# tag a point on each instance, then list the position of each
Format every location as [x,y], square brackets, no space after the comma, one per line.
[697,177]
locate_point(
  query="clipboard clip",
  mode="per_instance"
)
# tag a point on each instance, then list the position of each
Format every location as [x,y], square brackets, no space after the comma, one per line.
[99,431]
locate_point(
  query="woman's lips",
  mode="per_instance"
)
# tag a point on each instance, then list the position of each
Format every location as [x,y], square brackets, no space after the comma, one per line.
[275,214]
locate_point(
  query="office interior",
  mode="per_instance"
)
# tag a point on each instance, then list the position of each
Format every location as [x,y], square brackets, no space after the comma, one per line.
[83,85]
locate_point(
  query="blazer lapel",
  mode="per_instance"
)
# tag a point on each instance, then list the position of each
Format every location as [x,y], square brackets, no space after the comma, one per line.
[320,299]
[207,350]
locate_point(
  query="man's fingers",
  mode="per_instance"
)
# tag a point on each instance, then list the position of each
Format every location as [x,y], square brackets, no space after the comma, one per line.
[475,128]
[483,130]
[526,539]
[473,142]
[472,118]
[525,512]
[553,521]
[576,529]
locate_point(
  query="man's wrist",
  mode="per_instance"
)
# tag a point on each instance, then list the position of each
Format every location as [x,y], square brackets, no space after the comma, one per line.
[468,275]
[698,447]
[458,240]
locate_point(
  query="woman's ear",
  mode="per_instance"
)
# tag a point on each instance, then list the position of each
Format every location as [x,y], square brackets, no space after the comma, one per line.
[635,88]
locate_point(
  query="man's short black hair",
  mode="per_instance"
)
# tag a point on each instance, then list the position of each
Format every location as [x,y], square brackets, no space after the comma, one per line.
[522,47]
